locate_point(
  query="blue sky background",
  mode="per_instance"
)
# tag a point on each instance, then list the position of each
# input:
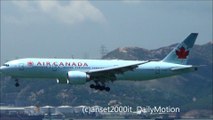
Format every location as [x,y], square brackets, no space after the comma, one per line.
[75,28]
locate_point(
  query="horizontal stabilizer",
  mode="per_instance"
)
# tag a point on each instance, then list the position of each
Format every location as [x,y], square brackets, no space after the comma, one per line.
[193,68]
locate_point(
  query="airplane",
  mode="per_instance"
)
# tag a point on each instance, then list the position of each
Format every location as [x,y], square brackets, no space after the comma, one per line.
[100,72]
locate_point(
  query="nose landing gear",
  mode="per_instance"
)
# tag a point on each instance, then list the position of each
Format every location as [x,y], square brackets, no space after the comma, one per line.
[17,83]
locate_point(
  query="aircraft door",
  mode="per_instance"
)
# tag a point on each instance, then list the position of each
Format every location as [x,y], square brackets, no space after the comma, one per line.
[54,68]
[157,70]
[21,66]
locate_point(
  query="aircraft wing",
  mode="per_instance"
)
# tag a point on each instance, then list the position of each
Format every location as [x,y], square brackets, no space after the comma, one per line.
[110,72]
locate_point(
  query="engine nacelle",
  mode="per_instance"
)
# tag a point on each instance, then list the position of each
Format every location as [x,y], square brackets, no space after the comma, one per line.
[77,77]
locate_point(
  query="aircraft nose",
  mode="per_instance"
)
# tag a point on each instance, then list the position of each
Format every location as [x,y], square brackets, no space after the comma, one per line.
[2,68]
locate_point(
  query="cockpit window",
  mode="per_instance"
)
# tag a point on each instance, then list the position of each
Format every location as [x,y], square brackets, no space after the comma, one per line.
[7,65]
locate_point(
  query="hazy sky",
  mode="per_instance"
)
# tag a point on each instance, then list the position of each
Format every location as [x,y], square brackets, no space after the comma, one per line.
[75,28]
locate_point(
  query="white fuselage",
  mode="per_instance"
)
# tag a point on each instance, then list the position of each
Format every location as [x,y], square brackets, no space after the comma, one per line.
[58,68]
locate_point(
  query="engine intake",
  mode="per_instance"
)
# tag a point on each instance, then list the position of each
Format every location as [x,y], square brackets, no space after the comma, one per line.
[77,77]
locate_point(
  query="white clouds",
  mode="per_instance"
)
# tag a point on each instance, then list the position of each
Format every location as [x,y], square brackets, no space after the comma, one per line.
[71,13]
[24,5]
[21,4]
[74,12]
[47,6]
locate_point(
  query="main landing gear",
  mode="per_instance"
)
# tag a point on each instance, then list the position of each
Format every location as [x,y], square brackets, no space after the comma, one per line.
[99,87]
[17,83]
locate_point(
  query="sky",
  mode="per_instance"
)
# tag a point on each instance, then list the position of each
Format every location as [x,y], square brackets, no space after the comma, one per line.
[66,29]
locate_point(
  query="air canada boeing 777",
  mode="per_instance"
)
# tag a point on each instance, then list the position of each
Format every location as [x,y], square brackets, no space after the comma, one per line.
[80,71]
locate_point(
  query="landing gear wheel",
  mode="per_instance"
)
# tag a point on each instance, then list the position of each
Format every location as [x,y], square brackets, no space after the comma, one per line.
[99,87]
[92,86]
[107,89]
[17,84]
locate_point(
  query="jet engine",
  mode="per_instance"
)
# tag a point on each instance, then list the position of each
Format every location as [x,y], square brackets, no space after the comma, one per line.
[77,77]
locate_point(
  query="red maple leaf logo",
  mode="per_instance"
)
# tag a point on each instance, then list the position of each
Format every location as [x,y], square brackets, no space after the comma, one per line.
[182,53]
[30,63]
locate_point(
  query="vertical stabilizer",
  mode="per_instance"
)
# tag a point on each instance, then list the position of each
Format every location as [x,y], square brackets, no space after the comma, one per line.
[180,53]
